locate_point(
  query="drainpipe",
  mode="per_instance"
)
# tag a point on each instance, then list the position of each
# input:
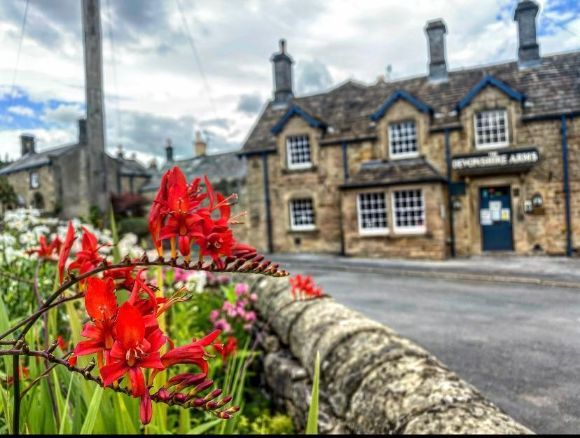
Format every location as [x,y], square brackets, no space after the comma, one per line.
[267,201]
[564,132]
[346,176]
[449,200]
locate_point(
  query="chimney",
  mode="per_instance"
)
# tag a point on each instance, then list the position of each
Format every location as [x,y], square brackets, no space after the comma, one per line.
[120,153]
[152,164]
[528,50]
[200,145]
[169,151]
[282,65]
[82,131]
[27,144]
[436,31]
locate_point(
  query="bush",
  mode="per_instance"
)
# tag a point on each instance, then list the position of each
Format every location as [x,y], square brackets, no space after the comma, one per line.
[135,225]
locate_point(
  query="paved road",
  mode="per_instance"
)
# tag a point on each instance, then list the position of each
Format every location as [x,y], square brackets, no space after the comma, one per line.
[519,344]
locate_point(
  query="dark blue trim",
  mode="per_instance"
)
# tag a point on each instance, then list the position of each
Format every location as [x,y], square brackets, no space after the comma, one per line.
[489,80]
[400,94]
[564,132]
[296,111]
[267,201]
[256,152]
[449,198]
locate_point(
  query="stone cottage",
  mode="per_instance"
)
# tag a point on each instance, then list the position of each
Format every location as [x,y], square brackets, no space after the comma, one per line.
[57,180]
[458,162]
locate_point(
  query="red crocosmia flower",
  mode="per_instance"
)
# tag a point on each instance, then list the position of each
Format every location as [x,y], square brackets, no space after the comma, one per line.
[88,257]
[304,287]
[124,274]
[46,251]
[215,240]
[101,305]
[65,250]
[62,344]
[229,348]
[134,348]
[182,222]
[193,354]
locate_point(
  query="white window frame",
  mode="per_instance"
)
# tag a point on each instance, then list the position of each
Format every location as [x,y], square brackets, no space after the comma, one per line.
[478,144]
[372,231]
[400,155]
[34,174]
[298,166]
[422,229]
[301,227]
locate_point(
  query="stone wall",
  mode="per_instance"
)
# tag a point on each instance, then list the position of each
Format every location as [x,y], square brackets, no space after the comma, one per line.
[373,381]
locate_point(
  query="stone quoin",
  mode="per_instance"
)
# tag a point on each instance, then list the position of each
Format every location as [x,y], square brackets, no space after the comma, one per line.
[430,167]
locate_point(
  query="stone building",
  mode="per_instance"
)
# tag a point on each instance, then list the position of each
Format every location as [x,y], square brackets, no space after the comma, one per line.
[456,162]
[57,180]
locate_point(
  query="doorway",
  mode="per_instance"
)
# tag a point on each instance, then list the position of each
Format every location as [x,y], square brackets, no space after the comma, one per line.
[495,217]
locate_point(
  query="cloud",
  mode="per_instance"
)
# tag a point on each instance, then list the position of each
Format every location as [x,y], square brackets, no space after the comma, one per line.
[249,104]
[312,76]
[21,111]
[67,113]
[154,82]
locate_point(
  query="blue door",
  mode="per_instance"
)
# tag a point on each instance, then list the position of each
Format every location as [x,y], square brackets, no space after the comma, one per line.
[495,217]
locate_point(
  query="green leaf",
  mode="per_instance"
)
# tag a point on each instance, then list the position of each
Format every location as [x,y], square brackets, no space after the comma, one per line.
[312,424]
[64,412]
[116,253]
[204,427]
[92,412]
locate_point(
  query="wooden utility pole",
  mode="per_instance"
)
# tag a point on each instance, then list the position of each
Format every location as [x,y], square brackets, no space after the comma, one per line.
[97,169]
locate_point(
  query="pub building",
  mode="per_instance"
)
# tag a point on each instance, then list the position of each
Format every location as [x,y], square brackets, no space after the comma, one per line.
[454,163]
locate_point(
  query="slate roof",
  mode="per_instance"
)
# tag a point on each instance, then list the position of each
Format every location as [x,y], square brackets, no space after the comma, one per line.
[37,159]
[551,88]
[378,173]
[130,167]
[220,167]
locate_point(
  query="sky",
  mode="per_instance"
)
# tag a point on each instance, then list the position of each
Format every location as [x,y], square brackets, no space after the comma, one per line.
[173,67]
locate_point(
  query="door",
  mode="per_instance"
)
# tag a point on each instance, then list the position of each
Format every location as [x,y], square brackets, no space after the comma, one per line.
[495,217]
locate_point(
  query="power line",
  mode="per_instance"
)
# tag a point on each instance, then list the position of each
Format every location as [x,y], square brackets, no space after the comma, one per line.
[22,28]
[196,56]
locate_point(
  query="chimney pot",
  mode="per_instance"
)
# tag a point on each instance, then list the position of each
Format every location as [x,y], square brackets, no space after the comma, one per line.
[120,153]
[82,131]
[436,30]
[528,48]
[282,68]
[169,151]
[200,145]
[27,144]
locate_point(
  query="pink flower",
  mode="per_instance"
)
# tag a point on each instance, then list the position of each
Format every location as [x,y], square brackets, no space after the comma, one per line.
[250,316]
[222,325]
[214,314]
[253,297]
[241,289]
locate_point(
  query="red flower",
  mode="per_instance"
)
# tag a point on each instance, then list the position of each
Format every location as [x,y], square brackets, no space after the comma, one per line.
[304,287]
[215,240]
[46,251]
[65,250]
[134,348]
[229,348]
[62,344]
[145,409]
[88,257]
[101,305]
[193,353]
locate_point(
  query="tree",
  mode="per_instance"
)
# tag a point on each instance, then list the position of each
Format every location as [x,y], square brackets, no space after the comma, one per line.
[7,194]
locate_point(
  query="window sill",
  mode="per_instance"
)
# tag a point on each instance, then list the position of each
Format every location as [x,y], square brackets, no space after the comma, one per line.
[303,231]
[288,170]
[374,234]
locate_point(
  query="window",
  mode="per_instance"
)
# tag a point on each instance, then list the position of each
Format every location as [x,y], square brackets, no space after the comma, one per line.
[372,213]
[403,140]
[298,152]
[491,129]
[34,180]
[409,211]
[301,214]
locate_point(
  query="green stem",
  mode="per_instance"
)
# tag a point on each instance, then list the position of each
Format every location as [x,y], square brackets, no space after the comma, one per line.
[16,387]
